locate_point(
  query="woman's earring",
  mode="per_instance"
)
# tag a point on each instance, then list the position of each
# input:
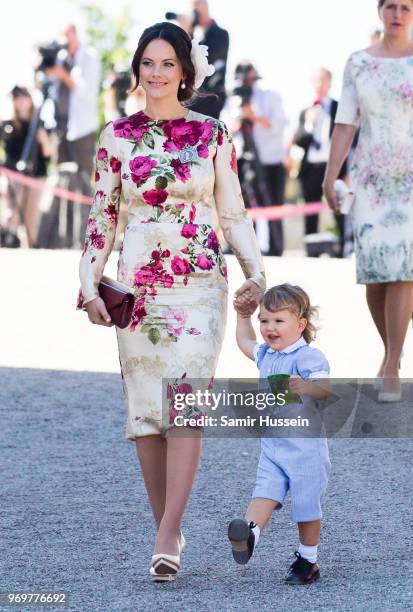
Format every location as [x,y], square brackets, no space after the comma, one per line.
[183,86]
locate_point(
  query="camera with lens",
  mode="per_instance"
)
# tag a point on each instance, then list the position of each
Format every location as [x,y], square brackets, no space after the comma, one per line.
[48,54]
[244,92]
[121,83]
[243,87]
[171,16]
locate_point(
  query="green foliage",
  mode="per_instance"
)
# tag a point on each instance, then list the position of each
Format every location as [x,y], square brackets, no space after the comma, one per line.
[108,36]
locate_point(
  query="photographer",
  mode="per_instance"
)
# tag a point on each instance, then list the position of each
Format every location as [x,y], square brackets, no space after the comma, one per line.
[23,201]
[77,72]
[263,124]
[217,41]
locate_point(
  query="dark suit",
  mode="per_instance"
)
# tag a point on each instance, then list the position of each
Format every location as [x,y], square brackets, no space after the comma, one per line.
[217,41]
[311,175]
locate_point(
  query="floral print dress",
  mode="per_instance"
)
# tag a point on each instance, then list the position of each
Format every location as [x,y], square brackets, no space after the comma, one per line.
[178,178]
[378,93]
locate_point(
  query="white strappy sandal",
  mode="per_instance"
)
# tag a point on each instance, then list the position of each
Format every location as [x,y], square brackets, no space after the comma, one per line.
[182,542]
[165,568]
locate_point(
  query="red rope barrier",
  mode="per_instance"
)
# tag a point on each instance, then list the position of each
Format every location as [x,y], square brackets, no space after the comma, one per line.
[30,181]
[271,213]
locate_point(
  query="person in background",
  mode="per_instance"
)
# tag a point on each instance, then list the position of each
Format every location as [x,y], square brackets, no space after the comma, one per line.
[375,37]
[236,114]
[217,41]
[78,75]
[256,119]
[314,136]
[377,95]
[184,21]
[265,111]
[23,200]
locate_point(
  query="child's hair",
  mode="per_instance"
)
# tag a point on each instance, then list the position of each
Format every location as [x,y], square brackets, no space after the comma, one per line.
[297,301]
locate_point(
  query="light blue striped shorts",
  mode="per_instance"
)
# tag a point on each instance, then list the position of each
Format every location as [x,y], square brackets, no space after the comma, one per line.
[301,465]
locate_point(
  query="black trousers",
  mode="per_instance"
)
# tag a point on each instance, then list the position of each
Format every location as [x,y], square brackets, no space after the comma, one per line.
[311,182]
[210,105]
[276,176]
[64,225]
[80,151]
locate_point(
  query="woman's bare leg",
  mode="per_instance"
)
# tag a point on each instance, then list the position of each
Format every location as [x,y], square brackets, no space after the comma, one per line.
[399,308]
[376,301]
[31,215]
[183,454]
[151,452]
[16,194]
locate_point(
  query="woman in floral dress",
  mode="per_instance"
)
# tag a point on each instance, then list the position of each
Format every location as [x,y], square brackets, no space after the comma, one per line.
[378,93]
[177,171]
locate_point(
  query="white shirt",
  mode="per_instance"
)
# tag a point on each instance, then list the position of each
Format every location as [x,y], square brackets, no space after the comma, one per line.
[83,103]
[321,133]
[269,141]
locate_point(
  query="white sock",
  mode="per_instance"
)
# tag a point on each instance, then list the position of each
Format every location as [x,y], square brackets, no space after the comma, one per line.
[256,530]
[308,552]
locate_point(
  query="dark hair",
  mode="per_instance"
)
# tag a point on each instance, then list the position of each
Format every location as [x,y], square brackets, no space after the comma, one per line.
[381,2]
[18,92]
[296,300]
[182,44]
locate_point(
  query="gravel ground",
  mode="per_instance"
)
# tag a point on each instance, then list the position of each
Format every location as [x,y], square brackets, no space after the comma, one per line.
[75,514]
[77,517]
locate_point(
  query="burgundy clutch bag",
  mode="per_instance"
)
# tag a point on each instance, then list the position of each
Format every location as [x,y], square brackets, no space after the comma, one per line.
[119,301]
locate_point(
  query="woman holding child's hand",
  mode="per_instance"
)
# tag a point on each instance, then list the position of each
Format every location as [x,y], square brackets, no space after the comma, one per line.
[172,261]
[247,298]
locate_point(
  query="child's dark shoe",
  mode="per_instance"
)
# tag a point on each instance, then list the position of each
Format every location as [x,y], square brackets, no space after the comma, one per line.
[302,571]
[242,540]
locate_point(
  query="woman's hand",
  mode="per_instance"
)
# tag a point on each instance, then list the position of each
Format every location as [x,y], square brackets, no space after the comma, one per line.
[98,315]
[247,298]
[330,196]
[343,136]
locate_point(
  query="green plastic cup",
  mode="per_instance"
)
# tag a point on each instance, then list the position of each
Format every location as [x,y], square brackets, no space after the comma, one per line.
[279,383]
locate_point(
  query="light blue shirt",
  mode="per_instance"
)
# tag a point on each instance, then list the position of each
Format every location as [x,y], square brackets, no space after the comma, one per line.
[269,141]
[298,359]
[83,101]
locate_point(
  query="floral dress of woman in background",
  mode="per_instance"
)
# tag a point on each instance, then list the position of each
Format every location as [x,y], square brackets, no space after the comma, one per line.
[175,175]
[378,93]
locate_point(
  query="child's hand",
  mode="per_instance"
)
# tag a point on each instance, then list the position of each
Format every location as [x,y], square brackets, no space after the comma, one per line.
[247,298]
[243,307]
[298,385]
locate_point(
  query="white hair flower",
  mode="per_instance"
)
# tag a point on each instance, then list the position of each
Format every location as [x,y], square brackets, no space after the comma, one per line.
[199,57]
